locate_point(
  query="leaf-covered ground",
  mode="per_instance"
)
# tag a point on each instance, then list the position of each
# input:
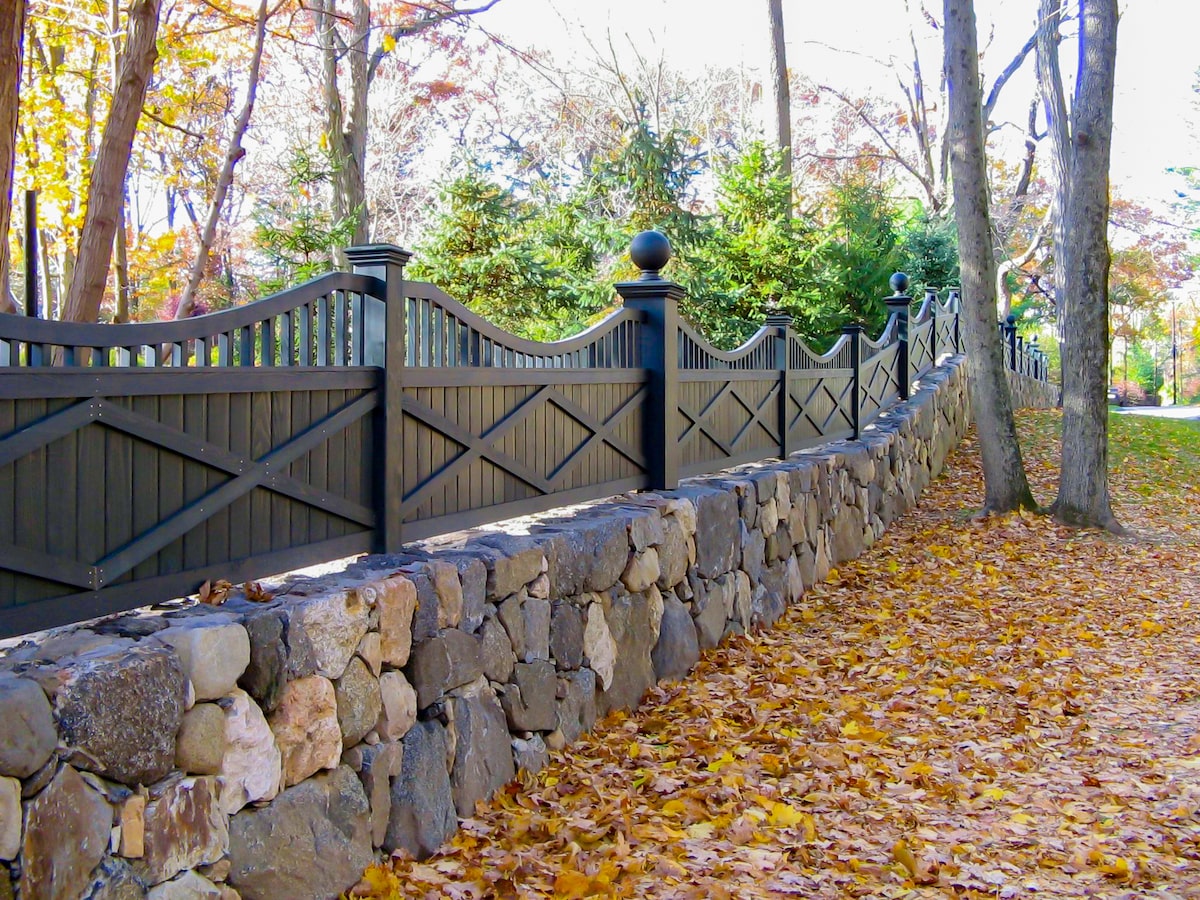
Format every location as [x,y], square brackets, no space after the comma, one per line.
[1004,708]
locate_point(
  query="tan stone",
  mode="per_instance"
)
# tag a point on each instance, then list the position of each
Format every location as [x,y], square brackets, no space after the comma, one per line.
[641,571]
[306,728]
[200,745]
[67,830]
[599,647]
[398,711]
[448,589]
[370,651]
[396,600]
[251,767]
[184,828]
[131,817]
[10,818]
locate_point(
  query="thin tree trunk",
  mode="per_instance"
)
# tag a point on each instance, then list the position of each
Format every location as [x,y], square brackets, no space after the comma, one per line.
[781,96]
[1083,497]
[106,190]
[12,30]
[121,266]
[233,154]
[1006,487]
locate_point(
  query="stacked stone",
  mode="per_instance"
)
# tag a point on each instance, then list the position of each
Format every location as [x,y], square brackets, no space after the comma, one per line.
[271,750]
[1030,393]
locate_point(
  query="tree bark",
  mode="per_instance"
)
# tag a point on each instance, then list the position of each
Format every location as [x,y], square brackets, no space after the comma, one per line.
[106,190]
[1083,497]
[12,30]
[1006,487]
[781,96]
[233,154]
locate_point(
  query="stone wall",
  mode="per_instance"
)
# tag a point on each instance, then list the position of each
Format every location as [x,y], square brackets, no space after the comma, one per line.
[1029,393]
[273,749]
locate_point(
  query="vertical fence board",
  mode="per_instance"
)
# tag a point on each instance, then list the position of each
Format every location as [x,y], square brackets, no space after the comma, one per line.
[149,504]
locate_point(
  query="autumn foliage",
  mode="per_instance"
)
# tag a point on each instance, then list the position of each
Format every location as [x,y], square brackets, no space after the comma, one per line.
[998,708]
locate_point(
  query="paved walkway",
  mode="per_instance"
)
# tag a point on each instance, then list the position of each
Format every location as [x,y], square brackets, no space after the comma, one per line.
[1163,412]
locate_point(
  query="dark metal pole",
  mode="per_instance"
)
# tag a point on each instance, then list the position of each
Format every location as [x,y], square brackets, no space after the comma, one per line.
[31,255]
[1174,361]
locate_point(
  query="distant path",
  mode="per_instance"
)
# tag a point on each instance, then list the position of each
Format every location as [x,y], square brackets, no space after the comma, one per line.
[1163,412]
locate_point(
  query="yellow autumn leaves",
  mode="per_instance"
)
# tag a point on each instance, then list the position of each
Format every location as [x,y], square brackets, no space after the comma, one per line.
[1003,708]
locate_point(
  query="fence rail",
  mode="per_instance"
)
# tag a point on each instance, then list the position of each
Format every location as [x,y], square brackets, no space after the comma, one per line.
[357,411]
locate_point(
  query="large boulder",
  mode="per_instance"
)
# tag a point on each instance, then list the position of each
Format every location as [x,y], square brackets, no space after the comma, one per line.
[717,529]
[184,828]
[678,649]
[313,842]
[118,713]
[483,759]
[214,654]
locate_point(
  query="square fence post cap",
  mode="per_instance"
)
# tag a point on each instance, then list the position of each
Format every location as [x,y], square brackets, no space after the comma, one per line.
[375,254]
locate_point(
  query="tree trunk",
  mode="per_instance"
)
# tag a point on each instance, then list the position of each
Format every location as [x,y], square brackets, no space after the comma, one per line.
[233,154]
[1083,483]
[106,190]
[12,30]
[781,96]
[1005,484]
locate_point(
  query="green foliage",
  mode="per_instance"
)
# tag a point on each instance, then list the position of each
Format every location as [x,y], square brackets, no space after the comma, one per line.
[295,229]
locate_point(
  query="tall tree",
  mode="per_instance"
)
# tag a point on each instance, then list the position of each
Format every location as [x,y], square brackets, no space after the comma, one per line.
[1083,497]
[781,97]
[12,30]
[106,192]
[1006,486]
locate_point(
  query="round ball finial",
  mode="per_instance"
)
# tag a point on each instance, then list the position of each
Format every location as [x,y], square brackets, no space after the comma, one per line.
[650,251]
[1011,320]
[899,283]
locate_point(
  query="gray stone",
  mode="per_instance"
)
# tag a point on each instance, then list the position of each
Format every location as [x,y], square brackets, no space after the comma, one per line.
[380,764]
[184,828]
[422,816]
[847,535]
[566,635]
[118,715]
[677,650]
[252,766]
[66,835]
[425,616]
[311,843]
[529,701]
[267,671]
[114,879]
[28,736]
[510,614]
[213,655]
[200,745]
[10,818]
[717,529]
[576,710]
[631,621]
[672,553]
[795,583]
[447,660]
[483,760]
[472,573]
[358,702]
[398,706]
[708,612]
[495,651]
[536,613]
[306,729]
[515,561]
[806,560]
[588,556]
[753,553]
[769,600]
[530,755]
[334,623]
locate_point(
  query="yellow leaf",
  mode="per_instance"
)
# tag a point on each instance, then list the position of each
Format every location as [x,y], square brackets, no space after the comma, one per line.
[572,885]
[388,43]
[994,793]
[904,856]
[701,830]
[851,729]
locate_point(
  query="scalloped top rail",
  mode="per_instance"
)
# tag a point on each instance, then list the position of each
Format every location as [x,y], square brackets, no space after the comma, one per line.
[317,323]
[441,331]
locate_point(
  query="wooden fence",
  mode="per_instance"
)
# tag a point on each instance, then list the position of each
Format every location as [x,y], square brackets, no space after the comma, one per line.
[358,411]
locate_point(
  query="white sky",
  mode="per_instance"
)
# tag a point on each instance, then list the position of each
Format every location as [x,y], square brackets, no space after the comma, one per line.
[1158,54]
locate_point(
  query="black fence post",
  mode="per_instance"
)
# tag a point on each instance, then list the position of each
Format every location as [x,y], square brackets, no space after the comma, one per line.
[659,300]
[384,345]
[854,332]
[1009,329]
[899,305]
[954,301]
[782,323]
[931,303]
